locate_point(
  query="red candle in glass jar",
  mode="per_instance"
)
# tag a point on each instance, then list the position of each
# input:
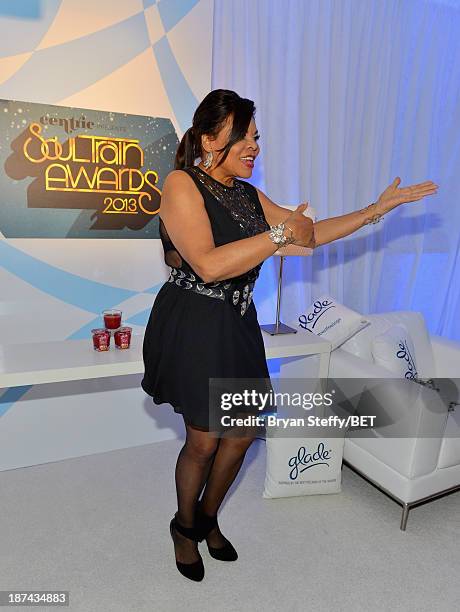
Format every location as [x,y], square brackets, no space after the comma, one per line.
[123,337]
[101,339]
[112,319]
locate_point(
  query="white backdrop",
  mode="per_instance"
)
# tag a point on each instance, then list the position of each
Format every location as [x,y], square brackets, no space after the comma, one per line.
[351,94]
[128,56]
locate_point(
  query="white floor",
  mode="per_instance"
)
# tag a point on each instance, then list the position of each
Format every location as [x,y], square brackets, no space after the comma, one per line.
[98,526]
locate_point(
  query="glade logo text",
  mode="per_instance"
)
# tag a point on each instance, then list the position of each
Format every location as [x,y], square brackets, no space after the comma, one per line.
[69,125]
[319,308]
[319,457]
[405,354]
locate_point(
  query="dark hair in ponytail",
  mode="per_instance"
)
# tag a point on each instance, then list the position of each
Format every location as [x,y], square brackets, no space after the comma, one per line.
[209,119]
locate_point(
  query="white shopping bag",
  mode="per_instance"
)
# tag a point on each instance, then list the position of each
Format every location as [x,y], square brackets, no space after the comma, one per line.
[303,466]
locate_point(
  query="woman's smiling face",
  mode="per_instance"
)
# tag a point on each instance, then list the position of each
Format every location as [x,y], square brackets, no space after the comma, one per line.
[240,159]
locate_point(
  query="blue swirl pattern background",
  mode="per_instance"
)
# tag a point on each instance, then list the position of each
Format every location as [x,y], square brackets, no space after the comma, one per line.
[96,55]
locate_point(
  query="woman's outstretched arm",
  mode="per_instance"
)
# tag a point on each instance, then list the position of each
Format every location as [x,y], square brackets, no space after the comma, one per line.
[334,228]
[328,230]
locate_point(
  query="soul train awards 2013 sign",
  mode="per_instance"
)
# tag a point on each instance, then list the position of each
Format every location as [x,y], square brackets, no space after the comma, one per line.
[77,173]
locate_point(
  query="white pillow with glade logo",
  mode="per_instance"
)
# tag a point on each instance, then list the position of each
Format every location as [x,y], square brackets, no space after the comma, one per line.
[394,350]
[303,466]
[331,320]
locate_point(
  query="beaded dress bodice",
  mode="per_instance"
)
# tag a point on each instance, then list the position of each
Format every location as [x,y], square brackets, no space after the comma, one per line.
[235,213]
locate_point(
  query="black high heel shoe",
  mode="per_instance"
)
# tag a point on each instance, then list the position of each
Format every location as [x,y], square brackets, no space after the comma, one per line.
[195,570]
[206,523]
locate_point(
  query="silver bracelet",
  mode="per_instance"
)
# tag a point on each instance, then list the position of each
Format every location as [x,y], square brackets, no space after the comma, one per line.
[375,218]
[277,236]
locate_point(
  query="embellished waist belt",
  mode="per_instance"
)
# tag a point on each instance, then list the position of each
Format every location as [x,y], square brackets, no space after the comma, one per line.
[239,293]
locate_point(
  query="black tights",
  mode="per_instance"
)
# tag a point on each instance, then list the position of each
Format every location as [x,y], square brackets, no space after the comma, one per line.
[207,461]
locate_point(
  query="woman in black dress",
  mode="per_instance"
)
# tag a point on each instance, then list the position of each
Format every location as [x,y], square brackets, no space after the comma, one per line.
[216,232]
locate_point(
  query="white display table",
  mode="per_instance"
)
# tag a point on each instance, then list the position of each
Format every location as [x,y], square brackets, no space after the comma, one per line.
[91,404]
[65,360]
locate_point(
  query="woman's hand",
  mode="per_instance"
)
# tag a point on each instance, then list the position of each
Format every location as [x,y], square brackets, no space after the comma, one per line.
[302,227]
[394,196]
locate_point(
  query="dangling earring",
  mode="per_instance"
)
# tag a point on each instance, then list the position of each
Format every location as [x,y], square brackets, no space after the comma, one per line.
[208,161]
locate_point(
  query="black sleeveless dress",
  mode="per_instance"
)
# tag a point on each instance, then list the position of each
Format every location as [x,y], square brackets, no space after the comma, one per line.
[196,330]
